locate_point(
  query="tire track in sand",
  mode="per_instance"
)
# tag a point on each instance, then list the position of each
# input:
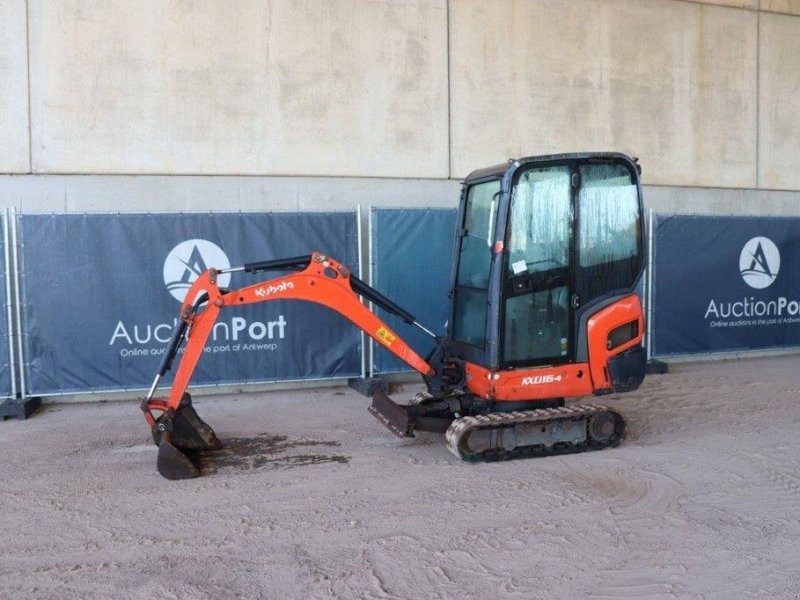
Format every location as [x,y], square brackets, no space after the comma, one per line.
[637,501]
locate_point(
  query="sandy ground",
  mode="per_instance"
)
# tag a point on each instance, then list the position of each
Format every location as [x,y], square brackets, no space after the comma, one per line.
[702,500]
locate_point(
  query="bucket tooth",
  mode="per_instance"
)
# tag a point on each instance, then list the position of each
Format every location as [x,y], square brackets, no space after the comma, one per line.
[174,464]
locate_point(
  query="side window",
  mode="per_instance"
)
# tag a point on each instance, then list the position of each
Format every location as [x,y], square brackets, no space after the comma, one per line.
[476,245]
[475,259]
[609,229]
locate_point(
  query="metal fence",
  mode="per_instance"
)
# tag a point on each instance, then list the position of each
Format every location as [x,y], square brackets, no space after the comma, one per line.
[100,296]
[91,299]
[725,284]
[411,258]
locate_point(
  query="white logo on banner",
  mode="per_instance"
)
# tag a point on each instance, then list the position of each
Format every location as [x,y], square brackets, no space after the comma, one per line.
[188,260]
[759,262]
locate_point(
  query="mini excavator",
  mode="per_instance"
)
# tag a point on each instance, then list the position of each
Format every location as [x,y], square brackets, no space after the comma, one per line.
[543,307]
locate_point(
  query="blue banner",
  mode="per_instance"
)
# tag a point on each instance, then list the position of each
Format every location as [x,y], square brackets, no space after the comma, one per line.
[6,374]
[101,295]
[413,257]
[726,284]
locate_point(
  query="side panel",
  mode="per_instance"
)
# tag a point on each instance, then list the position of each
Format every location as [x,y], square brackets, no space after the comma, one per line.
[542,383]
[599,329]
[568,380]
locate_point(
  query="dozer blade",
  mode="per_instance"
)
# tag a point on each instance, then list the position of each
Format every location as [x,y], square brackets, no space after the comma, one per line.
[391,414]
[180,438]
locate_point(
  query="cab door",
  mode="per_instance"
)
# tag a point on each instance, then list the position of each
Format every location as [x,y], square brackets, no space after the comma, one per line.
[574,244]
[538,279]
[471,297]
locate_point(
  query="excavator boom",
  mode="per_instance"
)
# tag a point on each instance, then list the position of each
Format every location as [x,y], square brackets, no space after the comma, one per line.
[177,430]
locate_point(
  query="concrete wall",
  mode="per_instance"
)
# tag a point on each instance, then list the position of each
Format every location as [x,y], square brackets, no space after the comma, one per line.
[788,7]
[665,81]
[147,193]
[314,98]
[779,102]
[14,153]
[295,87]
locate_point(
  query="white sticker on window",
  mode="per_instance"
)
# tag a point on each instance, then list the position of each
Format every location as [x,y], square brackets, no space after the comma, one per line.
[519,267]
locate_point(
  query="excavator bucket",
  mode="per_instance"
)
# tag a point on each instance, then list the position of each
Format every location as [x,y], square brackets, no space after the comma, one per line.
[176,464]
[180,438]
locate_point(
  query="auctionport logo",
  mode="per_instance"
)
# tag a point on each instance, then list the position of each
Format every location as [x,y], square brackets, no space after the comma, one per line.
[759,262]
[188,260]
[183,265]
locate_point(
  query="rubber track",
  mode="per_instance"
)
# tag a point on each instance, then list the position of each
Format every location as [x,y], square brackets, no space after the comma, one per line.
[464,425]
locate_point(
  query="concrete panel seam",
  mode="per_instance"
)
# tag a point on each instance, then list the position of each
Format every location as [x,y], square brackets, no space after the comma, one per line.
[758,8]
[758,98]
[233,174]
[449,106]
[703,3]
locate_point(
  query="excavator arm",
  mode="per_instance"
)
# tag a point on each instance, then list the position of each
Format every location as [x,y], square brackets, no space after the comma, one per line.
[320,279]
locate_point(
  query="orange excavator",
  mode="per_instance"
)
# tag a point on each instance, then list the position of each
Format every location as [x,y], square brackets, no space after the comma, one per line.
[543,307]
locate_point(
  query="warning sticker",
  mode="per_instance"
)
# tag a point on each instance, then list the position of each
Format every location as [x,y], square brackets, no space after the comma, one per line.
[385,337]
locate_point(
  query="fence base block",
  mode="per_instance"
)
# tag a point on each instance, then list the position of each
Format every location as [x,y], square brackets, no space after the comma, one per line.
[19,409]
[367,385]
[657,367]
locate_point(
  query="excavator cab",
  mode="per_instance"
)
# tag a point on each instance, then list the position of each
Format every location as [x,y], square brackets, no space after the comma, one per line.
[543,244]
[543,307]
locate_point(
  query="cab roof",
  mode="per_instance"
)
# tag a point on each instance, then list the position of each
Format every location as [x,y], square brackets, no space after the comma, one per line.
[513,164]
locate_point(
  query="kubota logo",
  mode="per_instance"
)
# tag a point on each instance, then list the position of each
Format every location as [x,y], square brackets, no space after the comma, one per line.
[188,260]
[759,262]
[263,292]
